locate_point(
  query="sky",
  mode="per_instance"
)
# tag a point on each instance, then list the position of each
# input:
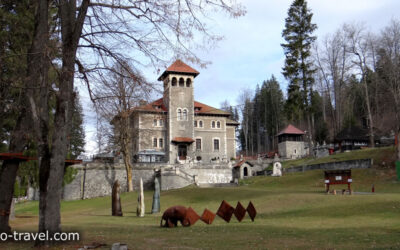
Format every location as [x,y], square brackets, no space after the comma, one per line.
[250,51]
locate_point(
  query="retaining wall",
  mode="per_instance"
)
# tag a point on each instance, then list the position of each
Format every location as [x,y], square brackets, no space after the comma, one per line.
[96,179]
[340,165]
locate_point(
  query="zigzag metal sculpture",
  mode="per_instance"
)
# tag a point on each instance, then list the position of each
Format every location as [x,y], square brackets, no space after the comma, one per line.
[188,217]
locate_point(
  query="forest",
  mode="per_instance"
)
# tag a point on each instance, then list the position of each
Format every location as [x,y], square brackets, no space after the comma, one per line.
[353,81]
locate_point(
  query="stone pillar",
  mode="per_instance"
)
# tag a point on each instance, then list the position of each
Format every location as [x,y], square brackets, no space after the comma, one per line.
[140,207]
[12,209]
[156,196]
[116,200]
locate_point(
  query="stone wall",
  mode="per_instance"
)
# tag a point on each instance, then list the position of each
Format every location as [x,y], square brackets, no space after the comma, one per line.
[96,179]
[292,149]
[341,165]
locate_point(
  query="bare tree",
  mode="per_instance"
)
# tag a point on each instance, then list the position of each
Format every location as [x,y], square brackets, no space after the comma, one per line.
[121,91]
[333,66]
[96,35]
[358,45]
[388,66]
[244,103]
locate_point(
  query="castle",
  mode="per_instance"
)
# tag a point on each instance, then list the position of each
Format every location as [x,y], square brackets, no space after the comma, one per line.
[178,129]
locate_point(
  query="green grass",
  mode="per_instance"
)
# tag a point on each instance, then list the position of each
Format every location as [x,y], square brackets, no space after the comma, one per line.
[293,212]
[382,155]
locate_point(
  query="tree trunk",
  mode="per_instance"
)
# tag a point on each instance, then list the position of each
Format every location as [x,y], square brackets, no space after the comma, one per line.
[310,147]
[8,173]
[35,76]
[371,124]
[9,168]
[128,167]
[52,165]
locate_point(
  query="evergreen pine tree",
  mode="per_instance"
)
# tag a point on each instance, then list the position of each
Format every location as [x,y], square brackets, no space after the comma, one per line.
[77,134]
[298,69]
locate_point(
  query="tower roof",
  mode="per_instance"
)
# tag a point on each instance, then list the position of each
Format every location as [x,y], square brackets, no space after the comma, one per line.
[179,67]
[290,129]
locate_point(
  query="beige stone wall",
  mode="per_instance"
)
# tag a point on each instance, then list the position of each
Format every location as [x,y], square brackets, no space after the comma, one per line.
[207,134]
[148,131]
[291,149]
[179,98]
[231,141]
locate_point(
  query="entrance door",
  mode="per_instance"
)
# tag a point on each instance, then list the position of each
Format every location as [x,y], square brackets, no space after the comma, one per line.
[182,152]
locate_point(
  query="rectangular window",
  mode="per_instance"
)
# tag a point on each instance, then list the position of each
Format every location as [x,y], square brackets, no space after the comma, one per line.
[154,142]
[155,122]
[195,124]
[160,143]
[161,123]
[198,144]
[216,145]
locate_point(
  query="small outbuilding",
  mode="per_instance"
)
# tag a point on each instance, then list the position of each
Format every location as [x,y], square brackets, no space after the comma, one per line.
[352,138]
[243,169]
[291,143]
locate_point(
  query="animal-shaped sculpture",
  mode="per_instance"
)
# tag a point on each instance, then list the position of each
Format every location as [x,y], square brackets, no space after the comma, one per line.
[174,214]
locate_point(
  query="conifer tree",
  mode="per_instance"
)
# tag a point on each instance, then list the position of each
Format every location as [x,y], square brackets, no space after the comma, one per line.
[298,69]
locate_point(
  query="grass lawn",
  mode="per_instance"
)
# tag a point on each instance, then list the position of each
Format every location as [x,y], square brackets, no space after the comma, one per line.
[293,212]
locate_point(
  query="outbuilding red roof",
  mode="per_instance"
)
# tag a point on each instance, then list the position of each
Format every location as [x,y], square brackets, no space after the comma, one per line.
[179,67]
[290,129]
[182,139]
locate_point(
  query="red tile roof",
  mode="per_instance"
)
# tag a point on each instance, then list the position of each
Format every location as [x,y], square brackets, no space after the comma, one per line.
[290,129]
[240,163]
[182,139]
[179,67]
[199,108]
[156,106]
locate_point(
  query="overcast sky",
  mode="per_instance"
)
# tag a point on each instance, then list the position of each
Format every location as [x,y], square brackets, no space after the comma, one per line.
[250,52]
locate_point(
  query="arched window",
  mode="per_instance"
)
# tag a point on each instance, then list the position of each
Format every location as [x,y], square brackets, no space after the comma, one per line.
[181,82]
[218,124]
[200,124]
[188,82]
[213,124]
[179,114]
[216,145]
[185,115]
[173,81]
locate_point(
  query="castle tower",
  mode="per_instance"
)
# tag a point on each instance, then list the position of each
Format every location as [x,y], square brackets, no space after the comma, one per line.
[179,100]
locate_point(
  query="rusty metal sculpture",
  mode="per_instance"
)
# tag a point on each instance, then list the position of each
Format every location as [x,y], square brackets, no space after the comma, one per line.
[239,212]
[116,200]
[251,210]
[225,211]
[207,216]
[192,216]
[188,217]
[174,214]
